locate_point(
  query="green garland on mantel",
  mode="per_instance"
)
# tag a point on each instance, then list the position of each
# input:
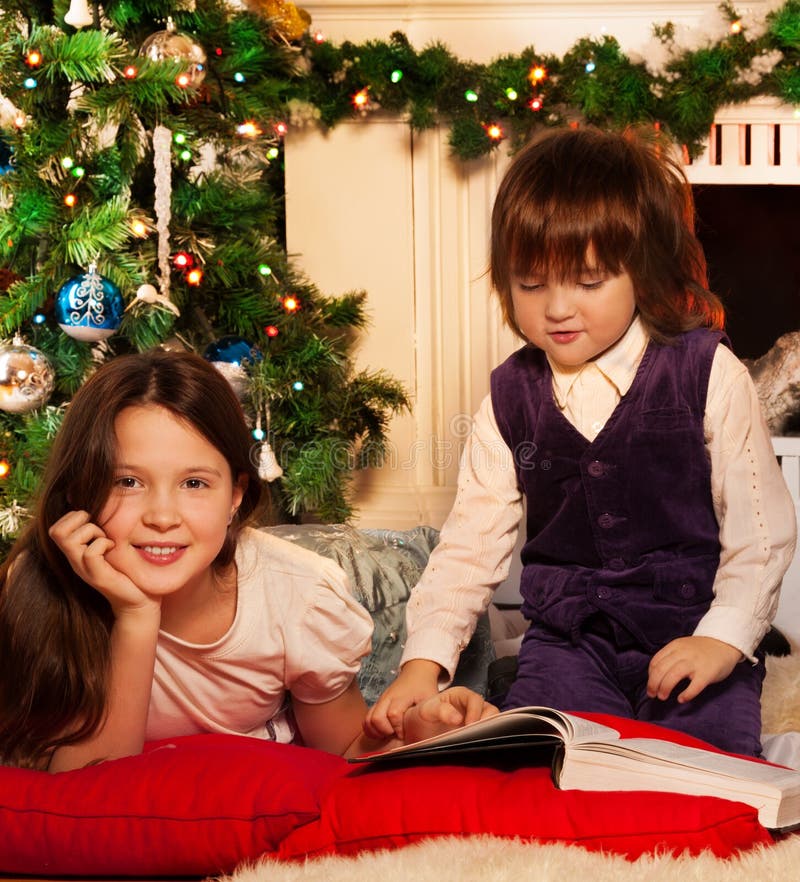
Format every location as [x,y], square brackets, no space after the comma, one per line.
[594,82]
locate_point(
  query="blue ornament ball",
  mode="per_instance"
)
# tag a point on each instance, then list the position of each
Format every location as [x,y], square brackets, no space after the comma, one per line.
[89,307]
[229,355]
[6,157]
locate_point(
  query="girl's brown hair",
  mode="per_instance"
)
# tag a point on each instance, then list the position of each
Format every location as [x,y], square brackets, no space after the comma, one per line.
[54,628]
[624,196]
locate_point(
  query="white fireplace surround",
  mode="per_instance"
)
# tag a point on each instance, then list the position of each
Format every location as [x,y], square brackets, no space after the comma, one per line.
[371,206]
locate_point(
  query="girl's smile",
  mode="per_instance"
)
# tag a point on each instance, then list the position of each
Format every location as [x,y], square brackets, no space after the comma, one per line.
[172,500]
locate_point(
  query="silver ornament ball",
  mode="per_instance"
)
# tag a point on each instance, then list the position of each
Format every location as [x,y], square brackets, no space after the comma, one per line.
[26,378]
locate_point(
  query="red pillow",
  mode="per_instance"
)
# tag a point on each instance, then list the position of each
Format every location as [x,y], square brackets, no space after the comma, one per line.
[192,806]
[386,808]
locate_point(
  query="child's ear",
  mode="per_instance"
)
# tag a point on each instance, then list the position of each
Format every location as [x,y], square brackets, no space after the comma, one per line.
[239,489]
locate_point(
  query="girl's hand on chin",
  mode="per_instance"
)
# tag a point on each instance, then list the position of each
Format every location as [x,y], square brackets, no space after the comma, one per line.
[85,546]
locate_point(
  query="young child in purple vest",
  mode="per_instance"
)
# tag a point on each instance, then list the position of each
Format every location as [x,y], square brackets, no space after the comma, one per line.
[658,526]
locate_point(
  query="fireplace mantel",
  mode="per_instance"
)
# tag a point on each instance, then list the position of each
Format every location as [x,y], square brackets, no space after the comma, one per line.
[372,206]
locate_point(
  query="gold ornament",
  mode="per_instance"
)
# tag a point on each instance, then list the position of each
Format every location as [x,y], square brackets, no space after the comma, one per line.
[291,22]
[173,44]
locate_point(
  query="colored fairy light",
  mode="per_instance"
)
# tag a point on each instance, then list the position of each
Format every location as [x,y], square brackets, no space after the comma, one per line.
[67,162]
[40,318]
[20,120]
[33,58]
[218,51]
[494,131]
[78,171]
[271,331]
[259,434]
[319,37]
[70,200]
[30,83]
[736,26]
[183,80]
[239,77]
[590,67]
[396,76]
[182,260]
[360,99]
[281,128]
[179,138]
[471,95]
[194,276]
[298,386]
[248,129]
[511,94]
[265,269]
[138,228]
[5,468]
[186,155]
[290,303]
[130,72]
[535,103]
[537,73]
[273,153]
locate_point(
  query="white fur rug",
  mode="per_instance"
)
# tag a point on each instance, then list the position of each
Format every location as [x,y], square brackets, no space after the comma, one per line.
[489,859]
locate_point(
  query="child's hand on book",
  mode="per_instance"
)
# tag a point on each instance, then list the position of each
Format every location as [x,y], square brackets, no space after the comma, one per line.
[418,679]
[700,660]
[446,710]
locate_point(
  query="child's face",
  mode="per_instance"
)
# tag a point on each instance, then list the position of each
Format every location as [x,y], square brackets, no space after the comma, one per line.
[169,509]
[573,322]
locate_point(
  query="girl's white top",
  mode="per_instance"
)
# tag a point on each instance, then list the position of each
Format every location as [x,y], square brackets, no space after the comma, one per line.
[297,629]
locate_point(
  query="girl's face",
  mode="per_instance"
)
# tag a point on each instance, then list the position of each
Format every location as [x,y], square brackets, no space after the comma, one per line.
[573,322]
[172,500]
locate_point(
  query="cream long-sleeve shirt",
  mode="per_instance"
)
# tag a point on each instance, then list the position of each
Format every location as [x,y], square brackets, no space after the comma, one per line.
[754,509]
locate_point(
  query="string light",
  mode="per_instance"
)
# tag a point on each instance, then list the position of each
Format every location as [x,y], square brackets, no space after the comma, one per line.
[290,303]
[194,276]
[271,331]
[273,153]
[183,80]
[281,128]
[494,131]
[70,200]
[185,155]
[40,318]
[259,434]
[511,94]
[537,74]
[361,99]
[264,269]
[33,58]
[535,103]
[5,468]
[179,138]
[239,77]
[319,37]
[590,67]
[396,76]
[30,83]
[130,72]
[78,171]
[298,386]
[736,26]
[138,228]
[182,260]
[248,129]
[67,162]
[471,95]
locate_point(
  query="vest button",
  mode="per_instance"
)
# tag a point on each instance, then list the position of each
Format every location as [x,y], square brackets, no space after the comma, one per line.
[687,590]
[606,520]
[596,469]
[616,563]
[604,592]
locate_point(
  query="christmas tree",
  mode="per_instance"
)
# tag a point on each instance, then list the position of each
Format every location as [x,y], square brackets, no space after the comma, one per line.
[140,205]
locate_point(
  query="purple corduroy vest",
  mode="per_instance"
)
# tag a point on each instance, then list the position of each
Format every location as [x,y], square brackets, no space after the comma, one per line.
[624,525]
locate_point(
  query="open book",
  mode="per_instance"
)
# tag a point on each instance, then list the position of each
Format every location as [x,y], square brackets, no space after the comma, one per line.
[587,755]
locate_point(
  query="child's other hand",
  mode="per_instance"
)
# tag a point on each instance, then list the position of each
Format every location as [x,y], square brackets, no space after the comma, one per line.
[418,679]
[700,660]
[85,546]
[446,710]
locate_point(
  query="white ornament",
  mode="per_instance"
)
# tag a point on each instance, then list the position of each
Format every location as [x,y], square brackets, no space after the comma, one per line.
[149,294]
[269,469]
[79,15]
